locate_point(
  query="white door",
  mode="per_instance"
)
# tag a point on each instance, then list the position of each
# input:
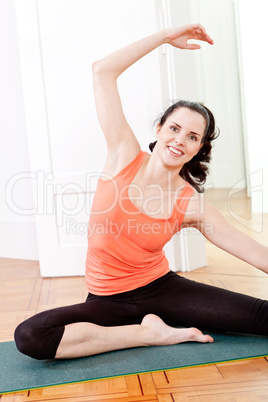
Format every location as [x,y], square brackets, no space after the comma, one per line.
[58,41]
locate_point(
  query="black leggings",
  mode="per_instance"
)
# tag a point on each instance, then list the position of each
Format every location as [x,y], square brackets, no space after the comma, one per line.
[178,301]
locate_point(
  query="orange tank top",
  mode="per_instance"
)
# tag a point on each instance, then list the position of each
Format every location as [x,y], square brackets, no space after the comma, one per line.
[125,246]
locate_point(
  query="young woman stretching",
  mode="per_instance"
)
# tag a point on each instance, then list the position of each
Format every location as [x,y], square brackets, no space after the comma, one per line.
[141,201]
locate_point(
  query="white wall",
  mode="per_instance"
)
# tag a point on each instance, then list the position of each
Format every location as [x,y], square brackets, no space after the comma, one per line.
[17,232]
[253,34]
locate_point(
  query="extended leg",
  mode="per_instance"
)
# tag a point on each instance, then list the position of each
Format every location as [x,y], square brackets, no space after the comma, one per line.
[180,301]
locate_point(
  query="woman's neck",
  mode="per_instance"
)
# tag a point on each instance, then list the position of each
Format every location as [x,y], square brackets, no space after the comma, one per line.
[156,172]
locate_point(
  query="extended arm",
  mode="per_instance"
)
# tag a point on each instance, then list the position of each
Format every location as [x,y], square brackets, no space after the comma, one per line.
[121,141]
[216,229]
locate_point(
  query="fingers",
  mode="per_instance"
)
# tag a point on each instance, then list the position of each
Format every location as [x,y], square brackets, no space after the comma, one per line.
[200,34]
[179,37]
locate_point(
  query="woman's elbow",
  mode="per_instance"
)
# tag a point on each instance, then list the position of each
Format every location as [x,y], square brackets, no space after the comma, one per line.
[96,67]
[102,70]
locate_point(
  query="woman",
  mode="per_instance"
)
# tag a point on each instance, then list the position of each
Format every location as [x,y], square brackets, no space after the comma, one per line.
[140,202]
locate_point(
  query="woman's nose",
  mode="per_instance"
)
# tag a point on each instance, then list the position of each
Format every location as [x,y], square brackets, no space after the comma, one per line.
[180,139]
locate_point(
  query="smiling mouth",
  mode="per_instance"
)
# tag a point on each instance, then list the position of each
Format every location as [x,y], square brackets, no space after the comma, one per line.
[175,151]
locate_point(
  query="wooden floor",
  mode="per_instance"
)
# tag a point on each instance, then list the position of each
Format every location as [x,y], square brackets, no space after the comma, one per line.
[24,292]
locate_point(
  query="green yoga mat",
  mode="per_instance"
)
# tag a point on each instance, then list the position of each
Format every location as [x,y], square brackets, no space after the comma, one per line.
[19,372]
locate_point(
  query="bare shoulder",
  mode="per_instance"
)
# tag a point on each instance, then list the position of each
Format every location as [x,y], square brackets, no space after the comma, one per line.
[198,211]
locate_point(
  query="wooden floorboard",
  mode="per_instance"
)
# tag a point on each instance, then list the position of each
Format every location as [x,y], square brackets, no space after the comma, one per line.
[24,292]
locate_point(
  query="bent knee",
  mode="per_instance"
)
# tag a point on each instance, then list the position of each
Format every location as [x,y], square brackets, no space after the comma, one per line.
[29,341]
[25,339]
[37,341]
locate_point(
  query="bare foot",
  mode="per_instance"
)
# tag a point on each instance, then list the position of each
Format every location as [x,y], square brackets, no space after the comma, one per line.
[159,333]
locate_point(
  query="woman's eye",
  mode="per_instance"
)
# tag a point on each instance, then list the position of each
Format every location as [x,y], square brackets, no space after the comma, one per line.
[193,138]
[174,128]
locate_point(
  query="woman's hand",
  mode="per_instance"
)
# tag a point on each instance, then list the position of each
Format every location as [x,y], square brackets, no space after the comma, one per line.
[178,37]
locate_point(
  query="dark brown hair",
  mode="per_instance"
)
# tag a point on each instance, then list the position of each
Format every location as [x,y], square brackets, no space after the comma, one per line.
[195,171]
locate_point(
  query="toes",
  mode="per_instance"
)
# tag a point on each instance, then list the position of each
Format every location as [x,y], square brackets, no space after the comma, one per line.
[209,338]
[197,336]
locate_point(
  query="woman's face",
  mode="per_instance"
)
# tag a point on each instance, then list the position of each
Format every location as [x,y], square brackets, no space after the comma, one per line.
[180,137]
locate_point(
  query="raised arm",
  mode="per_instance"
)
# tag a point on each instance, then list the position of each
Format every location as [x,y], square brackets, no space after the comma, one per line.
[216,229]
[121,141]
